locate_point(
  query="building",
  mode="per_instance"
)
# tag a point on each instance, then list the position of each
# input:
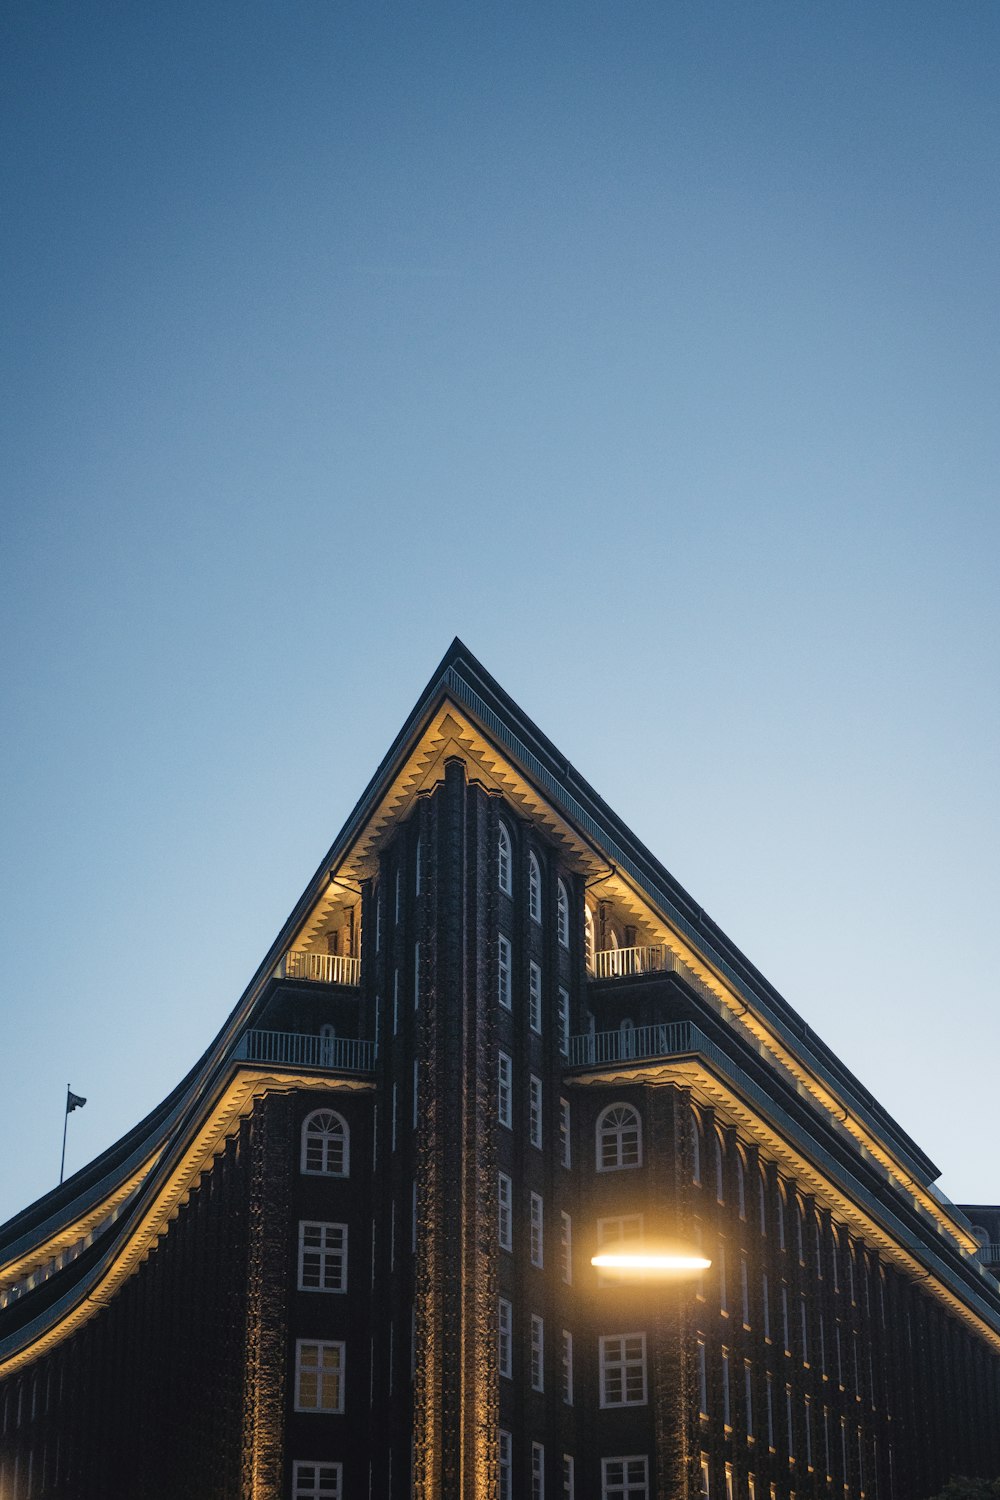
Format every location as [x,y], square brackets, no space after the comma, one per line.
[350,1254]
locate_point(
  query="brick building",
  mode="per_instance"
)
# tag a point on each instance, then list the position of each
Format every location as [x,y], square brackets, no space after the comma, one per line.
[350,1255]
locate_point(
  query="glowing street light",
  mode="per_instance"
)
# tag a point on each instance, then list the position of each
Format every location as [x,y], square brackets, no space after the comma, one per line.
[639,1258]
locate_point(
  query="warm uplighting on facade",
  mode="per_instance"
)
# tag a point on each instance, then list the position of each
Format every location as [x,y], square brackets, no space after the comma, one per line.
[650,1260]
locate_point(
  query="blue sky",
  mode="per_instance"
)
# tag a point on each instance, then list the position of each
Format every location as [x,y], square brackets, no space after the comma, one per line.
[652,348]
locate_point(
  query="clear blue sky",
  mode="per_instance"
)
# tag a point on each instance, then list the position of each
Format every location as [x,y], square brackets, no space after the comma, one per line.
[652,348]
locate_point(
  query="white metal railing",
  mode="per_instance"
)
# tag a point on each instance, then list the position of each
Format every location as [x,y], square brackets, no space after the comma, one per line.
[323,968]
[630,1043]
[989,1254]
[344,1054]
[617,963]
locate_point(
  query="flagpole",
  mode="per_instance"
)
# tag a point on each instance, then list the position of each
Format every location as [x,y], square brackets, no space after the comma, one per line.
[62,1164]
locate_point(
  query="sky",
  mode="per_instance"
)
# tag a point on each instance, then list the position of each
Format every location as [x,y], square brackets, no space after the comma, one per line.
[650,348]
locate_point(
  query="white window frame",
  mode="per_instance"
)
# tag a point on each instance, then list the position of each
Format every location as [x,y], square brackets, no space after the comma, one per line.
[505,1211]
[505,1090]
[562,1018]
[505,1465]
[537,1471]
[326,1135]
[535,997]
[534,887]
[537,1352]
[615,1134]
[536,1239]
[562,914]
[505,861]
[616,1230]
[504,982]
[321,1489]
[535,1110]
[630,1486]
[566,1247]
[330,1254]
[505,1338]
[304,1370]
[565,1135]
[569,1477]
[567,1367]
[616,1364]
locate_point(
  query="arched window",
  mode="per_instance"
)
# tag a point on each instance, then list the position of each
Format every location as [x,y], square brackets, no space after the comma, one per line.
[534,888]
[562,914]
[720,1166]
[326,1145]
[504,861]
[619,1138]
[695,1147]
[588,938]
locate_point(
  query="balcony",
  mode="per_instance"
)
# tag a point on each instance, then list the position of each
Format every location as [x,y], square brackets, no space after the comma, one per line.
[619,963]
[320,968]
[634,1042]
[294,1049]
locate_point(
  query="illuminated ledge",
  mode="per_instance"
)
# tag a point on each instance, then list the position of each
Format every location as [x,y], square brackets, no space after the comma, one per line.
[680,1053]
[161,1198]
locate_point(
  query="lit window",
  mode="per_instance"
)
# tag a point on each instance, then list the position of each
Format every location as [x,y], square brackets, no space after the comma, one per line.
[535,997]
[322,1257]
[534,888]
[536,1230]
[566,1248]
[565,1147]
[316,1481]
[325,1145]
[504,1214]
[562,1003]
[562,914]
[623,1369]
[537,1472]
[535,1111]
[619,1138]
[537,1353]
[503,977]
[625,1478]
[504,1090]
[506,1466]
[319,1375]
[503,860]
[567,1367]
[505,1339]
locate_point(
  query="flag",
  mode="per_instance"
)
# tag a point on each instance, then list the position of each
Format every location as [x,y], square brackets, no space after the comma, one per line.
[74,1101]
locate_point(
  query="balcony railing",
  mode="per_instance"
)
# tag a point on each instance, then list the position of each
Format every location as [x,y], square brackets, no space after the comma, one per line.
[632,1043]
[322,968]
[617,963]
[342,1054]
[989,1254]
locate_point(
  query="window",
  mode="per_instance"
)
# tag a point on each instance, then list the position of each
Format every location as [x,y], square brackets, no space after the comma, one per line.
[619,1138]
[623,1369]
[504,1227]
[535,1111]
[505,1466]
[569,1477]
[702,1381]
[503,975]
[566,1248]
[322,1257]
[316,1481]
[564,1133]
[781,1215]
[766,1306]
[730,1483]
[562,915]
[804,1327]
[534,888]
[326,1144]
[748,1396]
[503,860]
[505,1339]
[762,1199]
[789,1424]
[615,1231]
[319,1375]
[504,1089]
[625,1478]
[535,997]
[537,1472]
[537,1353]
[785,1335]
[727,1395]
[536,1236]
[706,1479]
[567,1367]
[562,1019]
[769,1392]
